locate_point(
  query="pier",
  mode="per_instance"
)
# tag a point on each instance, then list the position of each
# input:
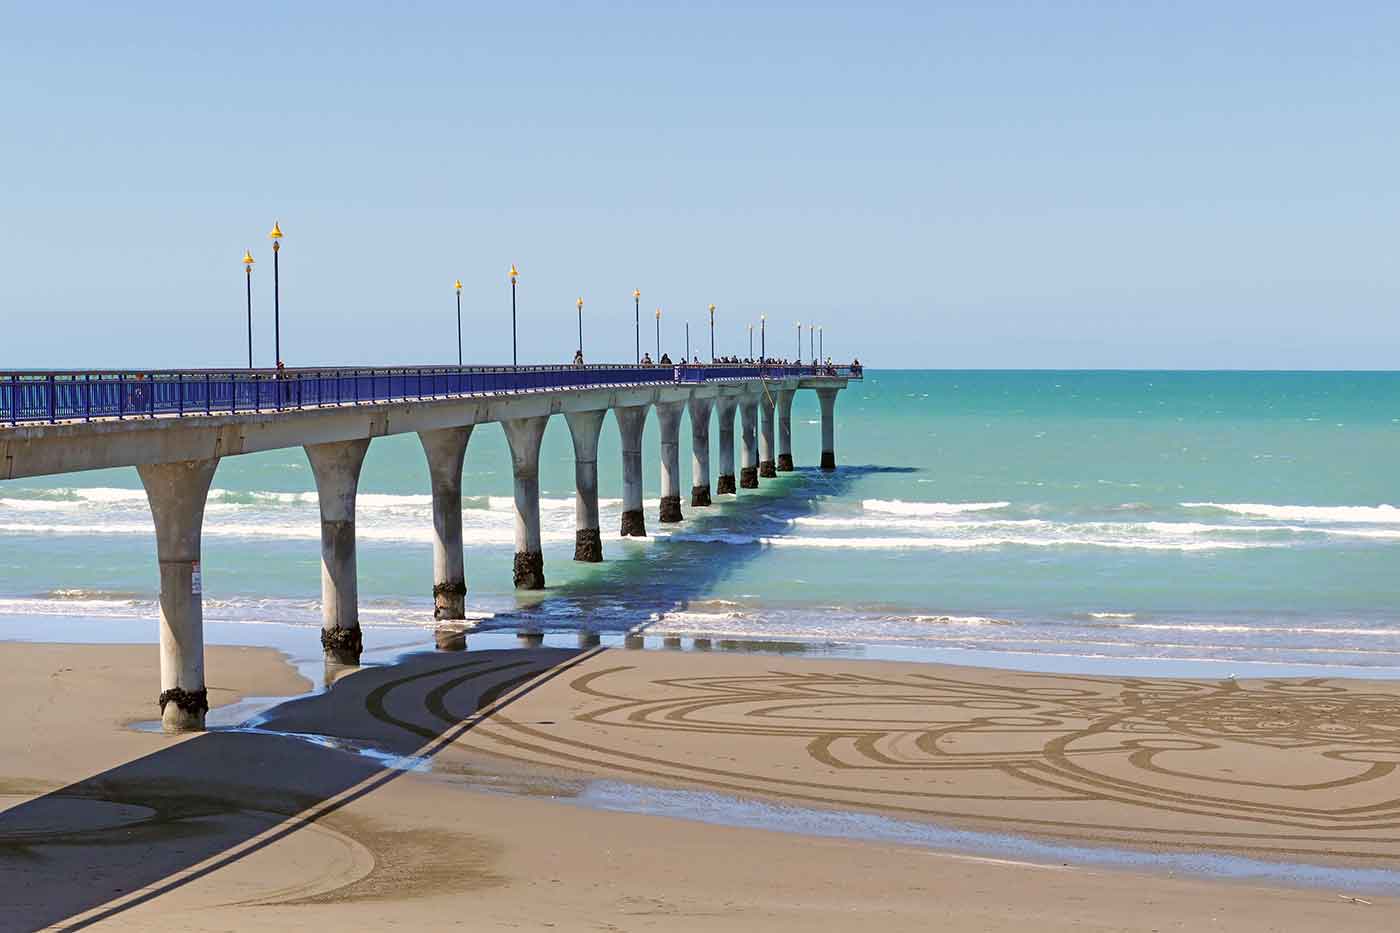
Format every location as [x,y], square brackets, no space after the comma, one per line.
[174,427]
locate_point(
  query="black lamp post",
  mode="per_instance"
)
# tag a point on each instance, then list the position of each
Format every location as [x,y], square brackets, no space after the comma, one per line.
[812,344]
[248,276]
[580,326]
[763,336]
[821,344]
[687,341]
[637,316]
[276,237]
[799,342]
[658,335]
[459,323]
[514,353]
[750,341]
[712,333]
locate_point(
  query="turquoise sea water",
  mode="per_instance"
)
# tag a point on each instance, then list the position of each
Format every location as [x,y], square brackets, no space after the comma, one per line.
[1219,516]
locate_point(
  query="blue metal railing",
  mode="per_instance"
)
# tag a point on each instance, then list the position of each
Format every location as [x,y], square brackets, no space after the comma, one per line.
[82,396]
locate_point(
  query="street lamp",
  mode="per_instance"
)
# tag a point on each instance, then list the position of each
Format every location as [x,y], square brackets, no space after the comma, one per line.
[459,323]
[751,342]
[712,333]
[799,342]
[514,354]
[248,276]
[763,336]
[276,237]
[687,341]
[580,325]
[812,343]
[637,319]
[658,335]
[821,344]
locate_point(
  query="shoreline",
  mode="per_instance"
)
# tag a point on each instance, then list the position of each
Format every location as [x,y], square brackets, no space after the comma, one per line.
[467,772]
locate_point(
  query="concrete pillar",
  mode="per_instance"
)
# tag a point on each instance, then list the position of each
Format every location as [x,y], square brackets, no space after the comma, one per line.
[785,430]
[177,493]
[584,427]
[700,450]
[445,450]
[827,397]
[336,467]
[766,466]
[726,406]
[524,436]
[631,421]
[748,458]
[668,417]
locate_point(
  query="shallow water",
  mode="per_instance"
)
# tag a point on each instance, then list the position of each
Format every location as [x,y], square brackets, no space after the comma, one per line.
[1221,518]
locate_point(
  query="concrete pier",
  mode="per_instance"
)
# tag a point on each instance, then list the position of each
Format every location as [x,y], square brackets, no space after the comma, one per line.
[336,467]
[177,493]
[827,398]
[445,449]
[584,427]
[668,418]
[700,409]
[725,407]
[785,430]
[748,456]
[631,422]
[524,436]
[766,466]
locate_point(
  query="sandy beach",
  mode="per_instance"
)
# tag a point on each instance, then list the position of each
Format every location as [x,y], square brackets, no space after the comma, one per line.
[242,830]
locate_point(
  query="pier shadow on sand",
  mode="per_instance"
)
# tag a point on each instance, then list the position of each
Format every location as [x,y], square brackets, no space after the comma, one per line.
[95,848]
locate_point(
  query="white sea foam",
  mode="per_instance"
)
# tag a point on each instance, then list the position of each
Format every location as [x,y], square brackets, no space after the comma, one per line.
[1366,514]
[1112,615]
[900,507]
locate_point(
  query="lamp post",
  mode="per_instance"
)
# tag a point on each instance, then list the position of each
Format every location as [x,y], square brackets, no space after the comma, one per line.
[799,342]
[821,344]
[459,322]
[812,343]
[687,341]
[750,341]
[658,336]
[763,336]
[514,354]
[637,319]
[248,277]
[712,333]
[580,325]
[276,237]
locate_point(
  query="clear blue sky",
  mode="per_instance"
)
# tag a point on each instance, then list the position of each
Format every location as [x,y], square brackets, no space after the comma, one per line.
[954,185]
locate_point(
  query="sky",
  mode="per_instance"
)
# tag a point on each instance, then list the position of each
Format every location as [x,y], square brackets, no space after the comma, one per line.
[949,185]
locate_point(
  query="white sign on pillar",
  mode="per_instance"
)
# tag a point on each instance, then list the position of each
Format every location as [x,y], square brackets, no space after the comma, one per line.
[196,579]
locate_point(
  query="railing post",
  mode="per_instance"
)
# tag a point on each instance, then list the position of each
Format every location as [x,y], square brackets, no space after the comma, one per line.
[208,393]
[257,394]
[87,396]
[53,400]
[14,400]
[180,386]
[298,391]
[121,395]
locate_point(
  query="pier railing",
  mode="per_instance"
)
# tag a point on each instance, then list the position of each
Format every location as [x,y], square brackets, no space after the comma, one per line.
[32,396]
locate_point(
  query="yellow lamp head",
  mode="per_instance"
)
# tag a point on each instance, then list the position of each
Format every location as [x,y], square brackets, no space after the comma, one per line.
[276,233]
[458,285]
[763,317]
[248,260]
[658,314]
[513,272]
[712,310]
[636,293]
[580,304]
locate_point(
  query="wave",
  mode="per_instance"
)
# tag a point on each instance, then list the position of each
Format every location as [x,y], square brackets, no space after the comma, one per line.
[900,507]
[887,543]
[1363,514]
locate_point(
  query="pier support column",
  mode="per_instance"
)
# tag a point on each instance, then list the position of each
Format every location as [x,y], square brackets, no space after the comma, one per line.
[668,417]
[766,467]
[584,427]
[725,407]
[785,430]
[827,397]
[748,456]
[631,421]
[177,493]
[336,467]
[700,409]
[524,436]
[445,450]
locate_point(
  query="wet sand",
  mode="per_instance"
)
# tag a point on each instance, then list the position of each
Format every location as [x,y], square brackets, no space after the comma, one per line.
[261,830]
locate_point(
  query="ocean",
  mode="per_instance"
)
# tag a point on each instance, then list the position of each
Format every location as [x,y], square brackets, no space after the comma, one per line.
[1063,519]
